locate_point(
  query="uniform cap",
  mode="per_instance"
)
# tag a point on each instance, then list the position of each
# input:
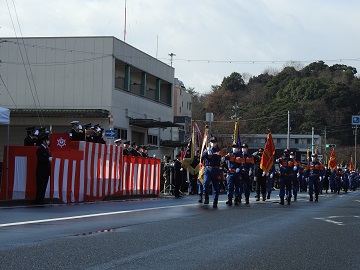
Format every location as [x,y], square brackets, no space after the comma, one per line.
[244,145]
[213,139]
[292,153]
[117,140]
[87,125]
[127,142]
[235,145]
[261,150]
[286,150]
[30,128]
[75,122]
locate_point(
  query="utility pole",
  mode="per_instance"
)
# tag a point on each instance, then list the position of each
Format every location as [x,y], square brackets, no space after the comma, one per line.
[312,140]
[355,144]
[325,150]
[288,134]
[171,57]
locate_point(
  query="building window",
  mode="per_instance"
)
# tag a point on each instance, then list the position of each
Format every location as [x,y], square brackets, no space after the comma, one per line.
[180,109]
[296,141]
[152,139]
[278,141]
[121,133]
[308,141]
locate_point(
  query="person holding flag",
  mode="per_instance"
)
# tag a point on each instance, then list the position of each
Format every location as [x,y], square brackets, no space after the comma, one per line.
[212,159]
[267,163]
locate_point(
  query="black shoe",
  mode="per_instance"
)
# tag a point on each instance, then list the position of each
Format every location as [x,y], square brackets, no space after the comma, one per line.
[311,198]
[281,201]
[215,203]
[206,200]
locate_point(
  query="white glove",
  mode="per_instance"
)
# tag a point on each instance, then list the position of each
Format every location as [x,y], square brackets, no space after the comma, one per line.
[210,152]
[295,168]
[237,170]
[250,173]
[181,169]
[80,126]
[50,159]
[222,159]
[320,178]
[36,132]
[271,175]
[298,174]
[263,174]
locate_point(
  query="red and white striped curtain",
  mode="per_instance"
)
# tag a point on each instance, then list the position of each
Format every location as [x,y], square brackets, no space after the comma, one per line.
[87,172]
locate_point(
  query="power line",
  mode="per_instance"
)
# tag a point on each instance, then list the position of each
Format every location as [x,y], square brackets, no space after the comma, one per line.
[208,61]
[22,58]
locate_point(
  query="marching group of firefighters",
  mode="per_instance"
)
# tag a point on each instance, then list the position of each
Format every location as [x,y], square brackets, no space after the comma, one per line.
[242,167]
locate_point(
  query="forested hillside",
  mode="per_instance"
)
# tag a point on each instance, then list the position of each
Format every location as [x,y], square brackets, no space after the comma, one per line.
[317,95]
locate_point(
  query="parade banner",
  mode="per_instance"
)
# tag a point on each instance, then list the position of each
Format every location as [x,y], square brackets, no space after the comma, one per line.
[332,161]
[267,158]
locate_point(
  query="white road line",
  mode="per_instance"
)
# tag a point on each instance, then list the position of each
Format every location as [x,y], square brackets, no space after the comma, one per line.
[334,222]
[90,215]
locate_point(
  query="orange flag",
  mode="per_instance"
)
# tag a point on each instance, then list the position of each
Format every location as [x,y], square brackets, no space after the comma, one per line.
[351,166]
[332,160]
[267,158]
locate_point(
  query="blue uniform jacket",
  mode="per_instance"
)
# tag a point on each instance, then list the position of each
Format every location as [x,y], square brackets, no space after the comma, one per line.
[212,160]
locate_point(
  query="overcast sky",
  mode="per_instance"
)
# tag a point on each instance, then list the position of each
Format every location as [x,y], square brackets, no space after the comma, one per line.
[244,36]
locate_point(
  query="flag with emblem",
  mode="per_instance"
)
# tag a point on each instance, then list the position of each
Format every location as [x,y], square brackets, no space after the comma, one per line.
[59,142]
[267,158]
[332,161]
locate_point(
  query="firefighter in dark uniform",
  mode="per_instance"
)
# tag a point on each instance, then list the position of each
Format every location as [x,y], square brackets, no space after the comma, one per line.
[339,174]
[177,176]
[261,176]
[30,139]
[133,151]
[233,176]
[42,169]
[126,151]
[247,169]
[315,172]
[287,168]
[212,157]
[76,134]
[145,151]
[40,132]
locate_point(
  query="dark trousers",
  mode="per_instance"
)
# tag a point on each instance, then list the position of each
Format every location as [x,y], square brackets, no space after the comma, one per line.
[42,179]
[260,185]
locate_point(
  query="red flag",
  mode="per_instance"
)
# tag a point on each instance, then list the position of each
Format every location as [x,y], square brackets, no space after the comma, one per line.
[267,158]
[59,142]
[351,166]
[332,160]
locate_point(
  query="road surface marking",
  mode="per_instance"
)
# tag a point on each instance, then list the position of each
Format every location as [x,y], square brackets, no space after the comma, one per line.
[90,215]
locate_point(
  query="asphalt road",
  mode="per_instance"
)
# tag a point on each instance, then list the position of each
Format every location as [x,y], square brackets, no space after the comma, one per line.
[169,233]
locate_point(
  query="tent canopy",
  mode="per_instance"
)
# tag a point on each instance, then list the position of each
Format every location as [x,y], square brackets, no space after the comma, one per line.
[4,116]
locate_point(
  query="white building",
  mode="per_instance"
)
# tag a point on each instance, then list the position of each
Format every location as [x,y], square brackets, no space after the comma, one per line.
[50,81]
